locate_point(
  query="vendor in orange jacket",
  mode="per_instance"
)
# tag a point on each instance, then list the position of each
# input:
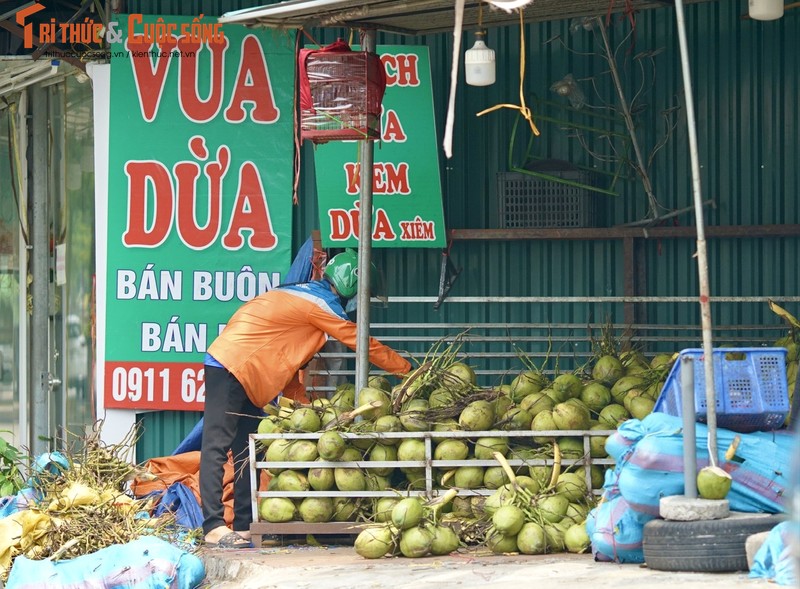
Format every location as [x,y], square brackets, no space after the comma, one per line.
[257,357]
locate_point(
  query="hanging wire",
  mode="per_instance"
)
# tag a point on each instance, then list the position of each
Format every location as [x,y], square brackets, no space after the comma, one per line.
[521,107]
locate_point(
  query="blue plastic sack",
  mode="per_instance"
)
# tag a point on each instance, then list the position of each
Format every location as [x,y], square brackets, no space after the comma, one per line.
[179,500]
[774,560]
[145,563]
[649,464]
[615,533]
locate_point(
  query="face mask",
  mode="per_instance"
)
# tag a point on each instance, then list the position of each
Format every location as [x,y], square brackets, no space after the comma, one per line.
[352,305]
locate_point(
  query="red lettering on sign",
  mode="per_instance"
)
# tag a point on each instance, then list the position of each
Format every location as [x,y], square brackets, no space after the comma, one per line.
[252,86]
[149,80]
[401,69]
[195,108]
[142,174]
[250,213]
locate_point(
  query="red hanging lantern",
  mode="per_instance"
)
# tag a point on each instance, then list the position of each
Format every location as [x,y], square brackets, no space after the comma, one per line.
[340,93]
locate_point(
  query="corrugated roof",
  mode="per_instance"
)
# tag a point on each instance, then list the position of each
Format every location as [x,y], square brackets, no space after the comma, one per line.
[419,17]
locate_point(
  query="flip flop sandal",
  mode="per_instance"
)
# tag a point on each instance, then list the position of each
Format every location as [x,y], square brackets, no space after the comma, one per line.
[230,541]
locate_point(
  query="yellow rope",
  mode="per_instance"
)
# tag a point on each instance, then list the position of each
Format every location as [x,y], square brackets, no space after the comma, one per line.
[521,107]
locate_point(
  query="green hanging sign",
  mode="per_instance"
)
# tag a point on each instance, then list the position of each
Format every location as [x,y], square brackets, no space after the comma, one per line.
[199,196]
[406,185]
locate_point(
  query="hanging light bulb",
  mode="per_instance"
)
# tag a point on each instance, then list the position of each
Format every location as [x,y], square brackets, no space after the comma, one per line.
[479,66]
[765,9]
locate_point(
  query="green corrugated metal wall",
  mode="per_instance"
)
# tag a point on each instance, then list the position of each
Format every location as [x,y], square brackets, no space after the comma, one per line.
[746,79]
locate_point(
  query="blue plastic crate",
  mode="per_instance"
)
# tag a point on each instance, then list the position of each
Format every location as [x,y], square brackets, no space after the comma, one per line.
[750,386]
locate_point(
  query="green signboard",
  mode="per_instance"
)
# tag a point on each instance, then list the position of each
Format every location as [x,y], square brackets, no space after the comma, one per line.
[199,196]
[407,192]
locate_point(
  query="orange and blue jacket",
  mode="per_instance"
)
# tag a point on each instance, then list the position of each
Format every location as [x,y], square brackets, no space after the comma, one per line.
[269,338]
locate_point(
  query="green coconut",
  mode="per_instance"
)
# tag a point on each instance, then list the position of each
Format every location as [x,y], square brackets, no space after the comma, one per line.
[369,395]
[576,513]
[303,451]
[316,509]
[552,508]
[382,512]
[529,484]
[495,477]
[444,541]
[381,453]
[535,403]
[416,542]
[624,384]
[379,382]
[641,407]
[661,361]
[446,425]
[486,447]
[596,396]
[388,424]
[608,370]
[612,415]
[411,449]
[468,477]
[276,509]
[713,483]
[501,544]
[331,445]
[527,382]
[374,542]
[597,444]
[508,520]
[349,479]
[407,513]
[376,482]
[451,449]
[459,376]
[304,419]
[571,448]
[413,418]
[344,396]
[329,415]
[440,397]
[345,509]
[292,480]
[576,539]
[571,416]
[569,385]
[543,422]
[477,416]
[269,425]
[502,404]
[321,479]
[555,538]
[278,451]
[502,496]
[531,539]
[516,419]
[572,485]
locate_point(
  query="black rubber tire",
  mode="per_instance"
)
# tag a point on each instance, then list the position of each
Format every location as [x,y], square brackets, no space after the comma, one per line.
[708,546]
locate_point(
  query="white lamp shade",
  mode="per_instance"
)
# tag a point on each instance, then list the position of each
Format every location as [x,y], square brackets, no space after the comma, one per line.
[479,66]
[765,9]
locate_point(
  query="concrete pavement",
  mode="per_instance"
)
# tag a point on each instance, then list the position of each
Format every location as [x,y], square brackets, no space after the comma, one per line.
[338,566]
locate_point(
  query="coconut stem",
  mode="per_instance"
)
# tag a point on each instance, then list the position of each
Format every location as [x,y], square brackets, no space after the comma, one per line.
[556,465]
[507,468]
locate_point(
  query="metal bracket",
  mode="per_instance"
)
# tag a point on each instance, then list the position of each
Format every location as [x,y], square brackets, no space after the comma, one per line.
[447,278]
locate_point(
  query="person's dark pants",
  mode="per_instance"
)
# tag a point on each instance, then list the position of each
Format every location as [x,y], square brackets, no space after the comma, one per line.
[228,418]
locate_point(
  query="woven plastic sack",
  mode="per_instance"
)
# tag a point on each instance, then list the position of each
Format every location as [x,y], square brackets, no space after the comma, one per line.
[145,563]
[775,560]
[615,532]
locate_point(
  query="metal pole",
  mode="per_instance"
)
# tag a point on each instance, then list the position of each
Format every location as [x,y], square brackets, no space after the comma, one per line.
[702,255]
[366,150]
[689,433]
[40,259]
